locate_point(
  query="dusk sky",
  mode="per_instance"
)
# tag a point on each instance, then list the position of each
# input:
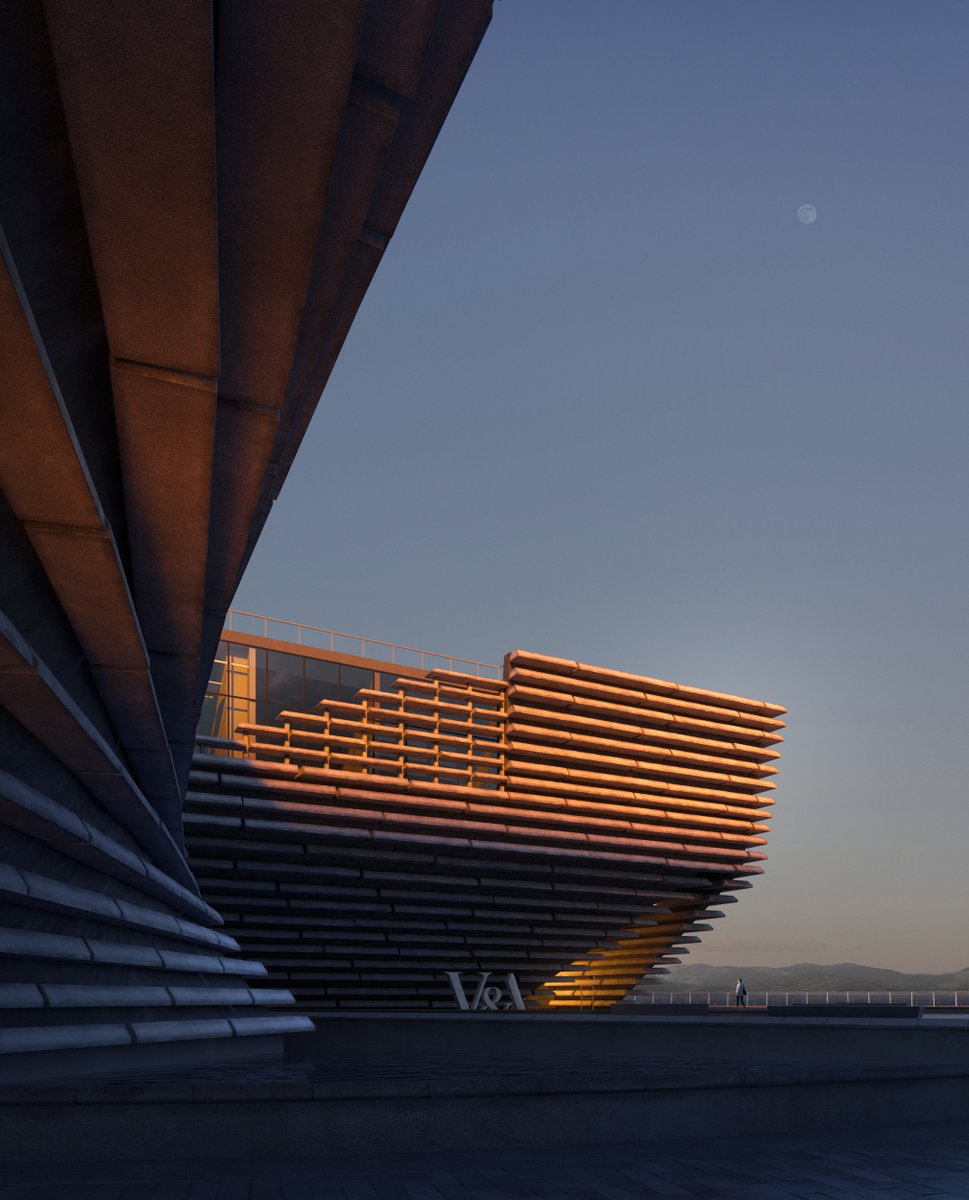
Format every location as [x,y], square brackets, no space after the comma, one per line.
[608,398]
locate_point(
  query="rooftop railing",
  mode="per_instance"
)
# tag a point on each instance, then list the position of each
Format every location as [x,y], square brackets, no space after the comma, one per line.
[313,637]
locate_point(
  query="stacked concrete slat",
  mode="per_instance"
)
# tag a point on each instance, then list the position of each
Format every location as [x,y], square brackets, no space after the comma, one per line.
[684,765]
[460,824]
[186,195]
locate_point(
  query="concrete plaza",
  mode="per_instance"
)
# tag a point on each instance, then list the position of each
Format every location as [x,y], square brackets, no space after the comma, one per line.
[890,1163]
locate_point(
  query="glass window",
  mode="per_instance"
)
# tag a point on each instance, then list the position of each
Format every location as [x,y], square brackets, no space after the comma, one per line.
[209,720]
[218,667]
[322,681]
[388,683]
[352,679]
[284,680]
[260,684]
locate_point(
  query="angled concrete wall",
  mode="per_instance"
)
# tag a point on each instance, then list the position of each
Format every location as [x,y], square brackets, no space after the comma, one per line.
[192,203]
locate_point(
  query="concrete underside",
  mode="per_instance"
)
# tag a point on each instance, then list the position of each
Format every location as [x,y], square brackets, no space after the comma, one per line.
[395,1083]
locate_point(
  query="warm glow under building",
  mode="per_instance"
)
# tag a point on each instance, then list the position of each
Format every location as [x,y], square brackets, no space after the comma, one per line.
[366,828]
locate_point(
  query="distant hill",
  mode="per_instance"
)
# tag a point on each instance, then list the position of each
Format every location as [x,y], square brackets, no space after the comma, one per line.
[808,977]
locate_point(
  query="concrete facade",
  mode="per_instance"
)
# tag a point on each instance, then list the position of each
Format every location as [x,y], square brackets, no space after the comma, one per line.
[193,201]
[571,825]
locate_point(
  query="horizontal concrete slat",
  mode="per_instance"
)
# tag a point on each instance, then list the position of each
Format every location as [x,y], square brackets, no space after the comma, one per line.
[62,1037]
[31,889]
[27,809]
[34,695]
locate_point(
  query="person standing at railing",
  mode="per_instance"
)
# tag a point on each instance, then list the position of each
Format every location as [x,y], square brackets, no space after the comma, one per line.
[740,994]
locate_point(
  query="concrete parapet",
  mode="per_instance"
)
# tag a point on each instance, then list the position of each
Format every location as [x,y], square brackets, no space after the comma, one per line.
[402,1083]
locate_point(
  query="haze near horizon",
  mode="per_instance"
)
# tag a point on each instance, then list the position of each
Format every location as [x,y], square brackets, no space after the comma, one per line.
[610,397]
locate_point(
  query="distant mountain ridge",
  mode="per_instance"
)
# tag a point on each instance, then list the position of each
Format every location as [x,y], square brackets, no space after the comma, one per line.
[808,977]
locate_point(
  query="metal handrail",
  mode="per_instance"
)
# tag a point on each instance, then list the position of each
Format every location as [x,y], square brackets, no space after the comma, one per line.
[488,670]
[756,999]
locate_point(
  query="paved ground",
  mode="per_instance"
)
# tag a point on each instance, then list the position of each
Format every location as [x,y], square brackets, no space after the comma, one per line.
[882,1164]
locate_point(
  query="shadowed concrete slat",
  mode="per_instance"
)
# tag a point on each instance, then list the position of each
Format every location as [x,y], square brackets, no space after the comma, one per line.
[33,695]
[40,891]
[393,43]
[44,477]
[166,434]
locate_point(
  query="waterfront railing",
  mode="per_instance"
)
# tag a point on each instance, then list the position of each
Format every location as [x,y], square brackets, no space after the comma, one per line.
[757,999]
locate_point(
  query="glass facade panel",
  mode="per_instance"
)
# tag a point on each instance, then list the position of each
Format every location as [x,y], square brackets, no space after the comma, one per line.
[218,667]
[352,679]
[322,681]
[252,686]
[284,679]
[229,695]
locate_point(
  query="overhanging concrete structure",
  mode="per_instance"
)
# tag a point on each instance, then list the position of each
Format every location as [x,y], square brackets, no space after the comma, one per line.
[193,200]
[571,824]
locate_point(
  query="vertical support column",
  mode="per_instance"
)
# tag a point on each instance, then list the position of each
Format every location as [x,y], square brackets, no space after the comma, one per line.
[436,756]
[470,739]
[401,732]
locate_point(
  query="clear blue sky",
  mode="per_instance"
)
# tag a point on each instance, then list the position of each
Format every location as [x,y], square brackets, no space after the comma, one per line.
[609,399]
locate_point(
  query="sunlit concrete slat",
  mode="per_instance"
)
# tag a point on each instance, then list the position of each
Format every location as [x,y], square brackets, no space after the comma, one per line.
[139,106]
[138,102]
[554,726]
[575,690]
[539,702]
[582,673]
[624,757]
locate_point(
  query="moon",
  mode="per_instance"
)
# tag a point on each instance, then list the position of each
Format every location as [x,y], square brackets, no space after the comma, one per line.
[807,214]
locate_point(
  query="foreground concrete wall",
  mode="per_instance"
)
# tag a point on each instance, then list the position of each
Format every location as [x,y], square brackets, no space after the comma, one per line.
[737,1040]
[444,1085]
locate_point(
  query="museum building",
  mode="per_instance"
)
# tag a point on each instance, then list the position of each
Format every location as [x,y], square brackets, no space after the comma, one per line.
[365,829]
